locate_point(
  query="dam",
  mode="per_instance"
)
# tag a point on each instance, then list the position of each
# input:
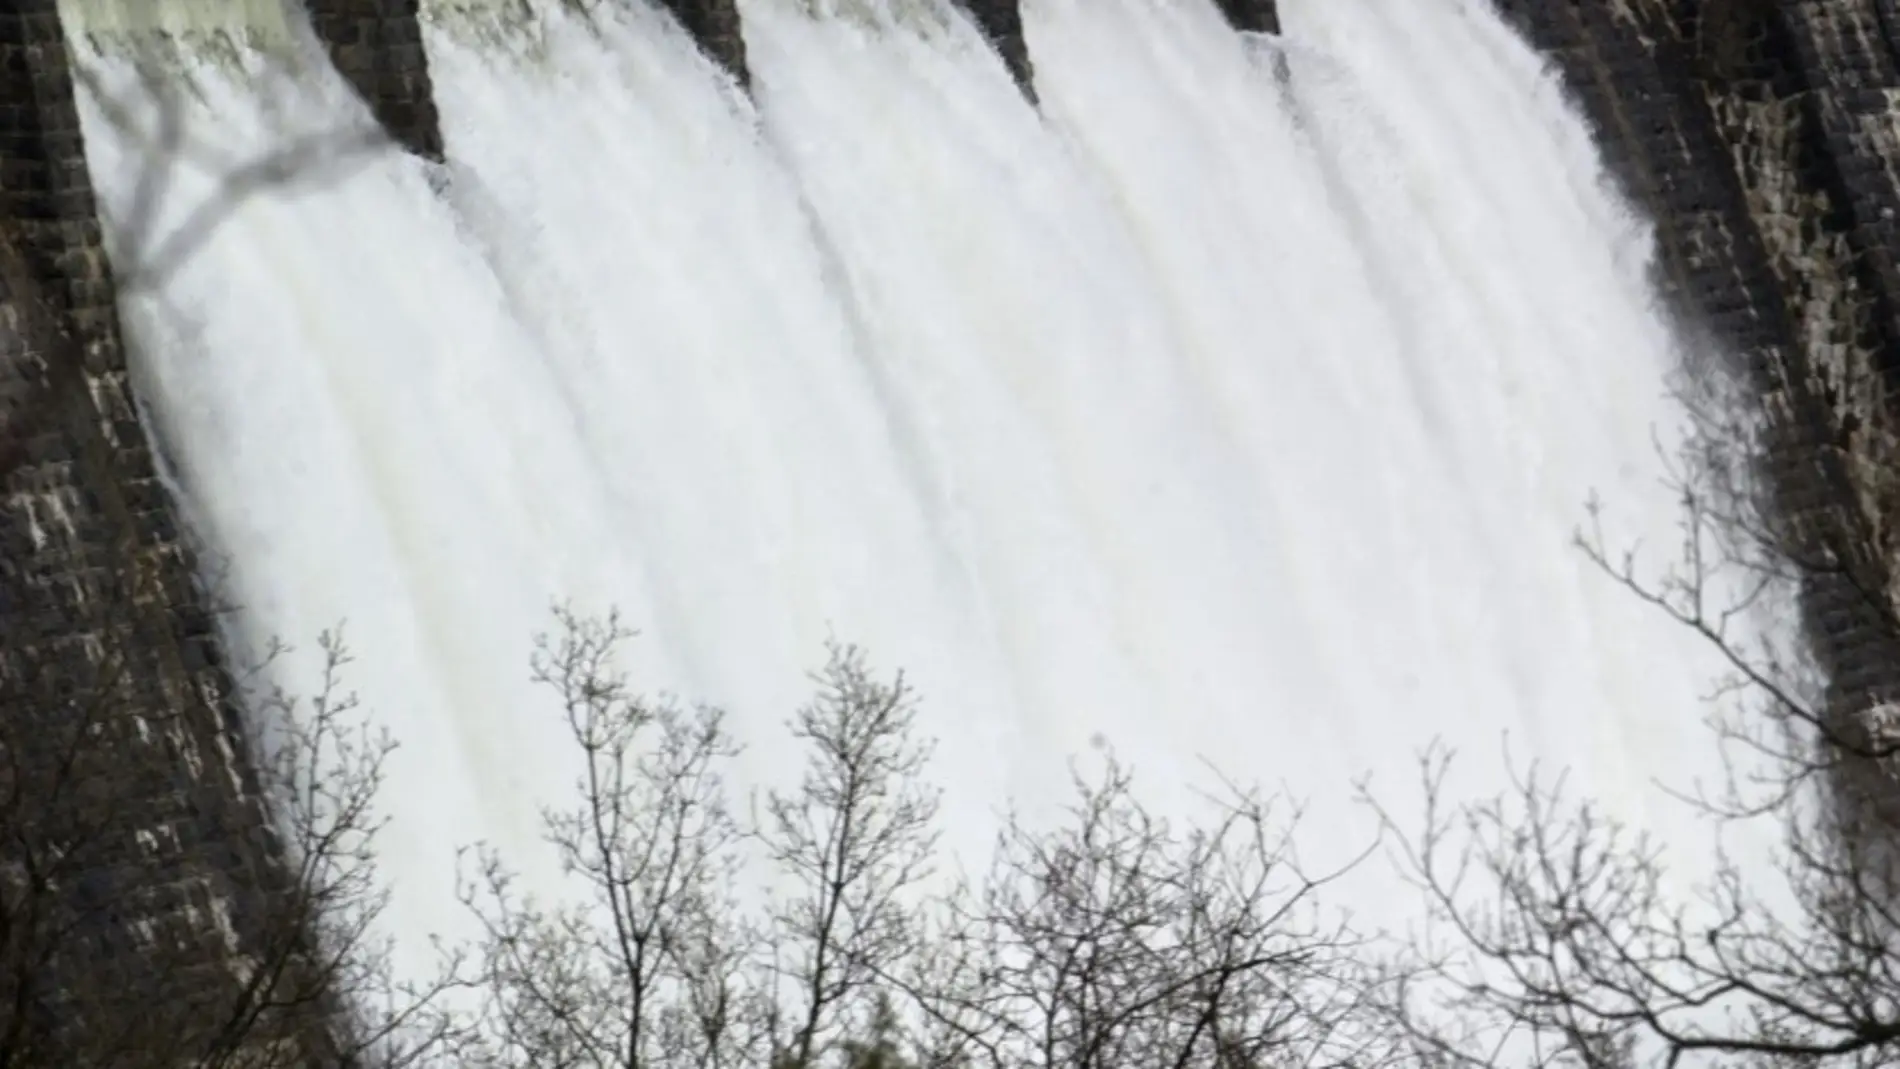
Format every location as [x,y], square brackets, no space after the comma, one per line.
[1220,382]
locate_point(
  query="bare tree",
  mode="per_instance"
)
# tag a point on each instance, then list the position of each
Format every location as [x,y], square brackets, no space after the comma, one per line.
[1115,939]
[307,977]
[175,888]
[1557,935]
[1108,939]
[321,768]
[655,962]
[650,965]
[852,846]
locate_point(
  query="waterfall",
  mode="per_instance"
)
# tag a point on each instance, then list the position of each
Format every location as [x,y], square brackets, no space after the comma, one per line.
[1222,418]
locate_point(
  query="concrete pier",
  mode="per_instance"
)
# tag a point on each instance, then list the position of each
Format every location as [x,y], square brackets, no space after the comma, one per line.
[120,738]
[377,46]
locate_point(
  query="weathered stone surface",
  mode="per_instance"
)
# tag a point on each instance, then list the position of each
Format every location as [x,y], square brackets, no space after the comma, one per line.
[1002,23]
[1258,16]
[1762,138]
[715,25]
[377,46]
[1847,86]
[99,617]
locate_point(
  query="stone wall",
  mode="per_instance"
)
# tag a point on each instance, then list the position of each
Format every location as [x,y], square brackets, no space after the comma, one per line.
[1256,16]
[1760,137]
[377,46]
[121,773]
[715,25]
[1840,85]
[1002,23]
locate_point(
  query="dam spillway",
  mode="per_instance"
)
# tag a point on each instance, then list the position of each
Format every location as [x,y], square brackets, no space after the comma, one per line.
[1166,417]
[1205,412]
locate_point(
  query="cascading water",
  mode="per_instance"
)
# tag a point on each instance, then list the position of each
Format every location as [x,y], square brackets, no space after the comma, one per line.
[1217,417]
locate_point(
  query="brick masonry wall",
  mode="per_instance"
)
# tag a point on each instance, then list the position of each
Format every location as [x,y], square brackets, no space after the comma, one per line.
[1755,133]
[377,46]
[715,25]
[98,610]
[1002,23]
[1845,83]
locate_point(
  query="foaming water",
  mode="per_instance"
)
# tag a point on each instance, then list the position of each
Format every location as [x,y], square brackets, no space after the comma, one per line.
[1220,418]
[367,438]
[1311,384]
[1422,318]
[773,494]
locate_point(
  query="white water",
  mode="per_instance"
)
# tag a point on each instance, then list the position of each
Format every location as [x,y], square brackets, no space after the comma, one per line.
[1214,421]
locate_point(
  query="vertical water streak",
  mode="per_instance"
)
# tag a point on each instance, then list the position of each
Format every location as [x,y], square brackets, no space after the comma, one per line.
[366,439]
[1220,418]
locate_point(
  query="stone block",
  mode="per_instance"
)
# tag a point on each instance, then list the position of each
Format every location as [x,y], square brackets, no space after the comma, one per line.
[377,46]
[715,25]
[1002,22]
